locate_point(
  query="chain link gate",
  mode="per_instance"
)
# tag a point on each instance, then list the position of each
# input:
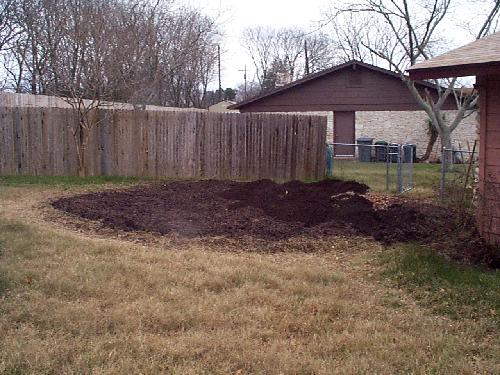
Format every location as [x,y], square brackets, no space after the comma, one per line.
[389,167]
[406,160]
[458,172]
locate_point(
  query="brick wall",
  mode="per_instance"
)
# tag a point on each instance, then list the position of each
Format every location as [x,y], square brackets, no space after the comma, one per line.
[489,159]
[407,127]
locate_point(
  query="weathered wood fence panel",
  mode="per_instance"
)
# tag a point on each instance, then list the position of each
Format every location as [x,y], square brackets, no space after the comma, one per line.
[247,146]
[10,99]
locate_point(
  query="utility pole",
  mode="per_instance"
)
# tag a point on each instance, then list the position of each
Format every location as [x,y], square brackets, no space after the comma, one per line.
[220,79]
[245,78]
[306,56]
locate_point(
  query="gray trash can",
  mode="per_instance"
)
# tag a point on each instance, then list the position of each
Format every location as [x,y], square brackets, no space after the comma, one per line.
[410,153]
[393,150]
[364,153]
[457,157]
[381,152]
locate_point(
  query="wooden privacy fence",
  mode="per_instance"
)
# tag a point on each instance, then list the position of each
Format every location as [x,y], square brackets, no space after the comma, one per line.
[39,141]
[11,99]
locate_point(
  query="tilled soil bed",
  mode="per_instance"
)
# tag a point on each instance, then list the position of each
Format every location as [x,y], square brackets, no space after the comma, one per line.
[273,212]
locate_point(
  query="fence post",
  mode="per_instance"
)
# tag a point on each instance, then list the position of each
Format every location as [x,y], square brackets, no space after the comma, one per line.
[412,158]
[387,168]
[443,173]
[400,169]
[329,160]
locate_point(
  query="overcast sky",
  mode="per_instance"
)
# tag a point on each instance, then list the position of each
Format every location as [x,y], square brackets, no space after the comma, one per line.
[235,15]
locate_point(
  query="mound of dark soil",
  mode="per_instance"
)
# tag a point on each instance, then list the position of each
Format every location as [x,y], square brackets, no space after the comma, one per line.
[273,211]
[300,202]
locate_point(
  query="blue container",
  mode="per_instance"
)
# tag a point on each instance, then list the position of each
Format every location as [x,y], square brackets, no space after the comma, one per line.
[329,160]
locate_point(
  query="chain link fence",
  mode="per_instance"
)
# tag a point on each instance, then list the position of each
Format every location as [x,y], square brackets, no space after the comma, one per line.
[387,167]
[459,174]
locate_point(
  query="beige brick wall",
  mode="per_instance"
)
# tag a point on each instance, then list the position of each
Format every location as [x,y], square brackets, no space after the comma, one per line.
[407,127]
[404,127]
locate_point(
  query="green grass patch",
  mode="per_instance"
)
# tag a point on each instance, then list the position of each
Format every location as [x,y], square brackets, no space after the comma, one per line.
[15,181]
[426,176]
[460,292]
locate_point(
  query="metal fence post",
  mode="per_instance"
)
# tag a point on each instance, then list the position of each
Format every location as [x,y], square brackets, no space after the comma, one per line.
[333,159]
[400,169]
[410,177]
[443,173]
[387,168]
[394,154]
[329,160]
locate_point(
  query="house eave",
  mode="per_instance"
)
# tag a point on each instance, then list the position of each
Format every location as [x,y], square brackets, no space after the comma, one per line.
[459,70]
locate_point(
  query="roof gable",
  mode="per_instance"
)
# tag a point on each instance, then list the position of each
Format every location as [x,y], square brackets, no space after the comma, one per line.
[350,86]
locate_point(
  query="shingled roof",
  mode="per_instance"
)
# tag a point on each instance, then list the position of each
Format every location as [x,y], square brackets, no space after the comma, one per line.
[481,56]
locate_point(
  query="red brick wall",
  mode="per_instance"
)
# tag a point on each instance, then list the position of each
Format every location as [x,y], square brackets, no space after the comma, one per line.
[489,155]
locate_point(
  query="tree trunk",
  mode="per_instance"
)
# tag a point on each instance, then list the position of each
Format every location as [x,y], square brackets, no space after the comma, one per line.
[81,171]
[80,143]
[430,145]
[446,149]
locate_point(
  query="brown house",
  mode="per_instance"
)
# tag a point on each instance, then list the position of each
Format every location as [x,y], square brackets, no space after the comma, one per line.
[482,59]
[343,89]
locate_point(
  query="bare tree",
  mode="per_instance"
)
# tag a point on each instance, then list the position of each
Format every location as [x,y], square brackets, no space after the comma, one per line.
[81,73]
[487,10]
[260,44]
[281,55]
[403,32]
[190,57]
[152,52]
[7,25]
[92,52]
[14,65]
[348,31]
[321,53]
[289,52]
[252,89]
[7,33]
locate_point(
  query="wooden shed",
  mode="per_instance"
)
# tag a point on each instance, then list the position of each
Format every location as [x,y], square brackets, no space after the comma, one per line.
[481,59]
[343,89]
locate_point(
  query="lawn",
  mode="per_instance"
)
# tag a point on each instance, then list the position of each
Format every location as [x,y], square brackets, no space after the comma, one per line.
[72,302]
[426,176]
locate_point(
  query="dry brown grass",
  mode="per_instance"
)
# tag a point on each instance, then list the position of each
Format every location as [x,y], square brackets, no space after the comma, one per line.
[75,304]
